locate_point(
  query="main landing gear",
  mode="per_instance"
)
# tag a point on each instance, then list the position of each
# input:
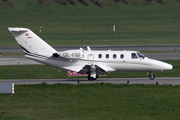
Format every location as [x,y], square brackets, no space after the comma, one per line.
[151,76]
[92,78]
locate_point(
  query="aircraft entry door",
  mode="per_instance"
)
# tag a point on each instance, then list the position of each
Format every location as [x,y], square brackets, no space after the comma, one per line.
[90,58]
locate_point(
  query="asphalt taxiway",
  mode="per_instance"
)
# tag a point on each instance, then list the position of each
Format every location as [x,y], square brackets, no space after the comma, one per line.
[18,49]
[21,60]
[15,60]
[160,81]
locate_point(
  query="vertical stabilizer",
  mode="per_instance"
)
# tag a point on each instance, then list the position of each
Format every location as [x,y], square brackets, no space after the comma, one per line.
[31,43]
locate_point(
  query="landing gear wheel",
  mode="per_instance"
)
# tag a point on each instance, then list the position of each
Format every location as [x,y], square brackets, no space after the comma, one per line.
[96,77]
[151,76]
[92,78]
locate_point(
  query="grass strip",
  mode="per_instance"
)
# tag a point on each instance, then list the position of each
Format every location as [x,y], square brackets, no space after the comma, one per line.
[67,25]
[91,101]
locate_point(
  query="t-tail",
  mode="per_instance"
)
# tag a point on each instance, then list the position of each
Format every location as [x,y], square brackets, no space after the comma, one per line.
[31,43]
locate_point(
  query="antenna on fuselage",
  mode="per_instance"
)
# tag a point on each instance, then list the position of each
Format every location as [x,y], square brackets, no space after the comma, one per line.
[88,48]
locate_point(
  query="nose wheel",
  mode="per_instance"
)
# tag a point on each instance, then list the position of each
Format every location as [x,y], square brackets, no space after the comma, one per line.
[151,76]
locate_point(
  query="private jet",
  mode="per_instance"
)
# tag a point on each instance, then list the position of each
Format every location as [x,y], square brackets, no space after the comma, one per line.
[91,62]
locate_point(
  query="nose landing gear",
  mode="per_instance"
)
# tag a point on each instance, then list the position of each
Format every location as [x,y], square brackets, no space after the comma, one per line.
[151,76]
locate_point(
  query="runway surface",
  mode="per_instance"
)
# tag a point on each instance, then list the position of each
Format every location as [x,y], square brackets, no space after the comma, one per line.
[21,60]
[105,47]
[17,60]
[161,81]
[160,56]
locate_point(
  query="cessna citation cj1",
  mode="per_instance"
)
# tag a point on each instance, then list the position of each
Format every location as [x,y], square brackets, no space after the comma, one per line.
[93,63]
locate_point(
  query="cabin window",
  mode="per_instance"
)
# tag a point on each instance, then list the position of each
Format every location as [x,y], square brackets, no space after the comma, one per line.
[122,56]
[100,55]
[134,56]
[107,55]
[114,56]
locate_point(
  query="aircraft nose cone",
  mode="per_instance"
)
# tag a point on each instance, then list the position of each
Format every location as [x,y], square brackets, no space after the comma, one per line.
[160,66]
[167,66]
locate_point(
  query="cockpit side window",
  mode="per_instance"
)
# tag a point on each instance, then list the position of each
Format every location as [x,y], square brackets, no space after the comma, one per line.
[141,55]
[134,56]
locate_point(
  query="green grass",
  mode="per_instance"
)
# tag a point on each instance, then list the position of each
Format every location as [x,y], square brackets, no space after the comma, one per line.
[91,101]
[67,25]
[47,72]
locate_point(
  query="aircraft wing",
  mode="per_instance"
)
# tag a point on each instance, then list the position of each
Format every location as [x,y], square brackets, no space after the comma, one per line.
[87,70]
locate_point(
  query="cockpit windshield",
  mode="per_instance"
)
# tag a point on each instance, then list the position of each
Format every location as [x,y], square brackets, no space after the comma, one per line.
[141,55]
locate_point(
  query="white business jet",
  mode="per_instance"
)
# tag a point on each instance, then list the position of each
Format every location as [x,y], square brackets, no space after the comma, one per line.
[91,62]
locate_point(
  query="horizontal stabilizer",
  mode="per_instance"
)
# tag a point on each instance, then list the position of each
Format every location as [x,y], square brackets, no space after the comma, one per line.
[18,29]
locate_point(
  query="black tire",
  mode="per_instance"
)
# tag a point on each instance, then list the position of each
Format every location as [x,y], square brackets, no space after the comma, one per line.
[96,77]
[151,76]
[90,78]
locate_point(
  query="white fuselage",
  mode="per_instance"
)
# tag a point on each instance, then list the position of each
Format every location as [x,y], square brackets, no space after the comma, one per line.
[109,61]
